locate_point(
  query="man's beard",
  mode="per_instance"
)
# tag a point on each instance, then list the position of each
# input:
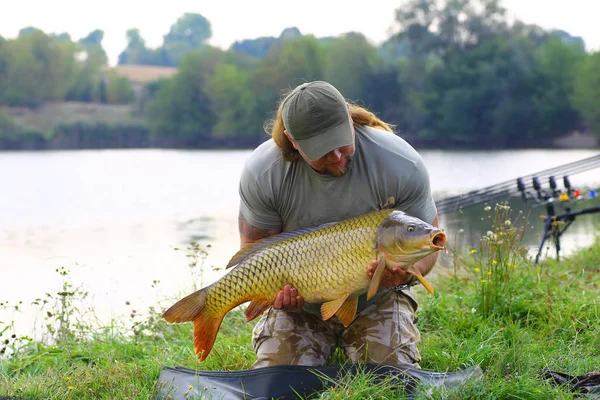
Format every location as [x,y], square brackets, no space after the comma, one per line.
[338,172]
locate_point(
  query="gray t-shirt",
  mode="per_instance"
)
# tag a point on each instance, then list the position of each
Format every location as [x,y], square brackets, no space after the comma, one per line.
[275,193]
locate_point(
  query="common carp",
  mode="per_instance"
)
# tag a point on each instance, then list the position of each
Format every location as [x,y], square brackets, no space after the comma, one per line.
[327,264]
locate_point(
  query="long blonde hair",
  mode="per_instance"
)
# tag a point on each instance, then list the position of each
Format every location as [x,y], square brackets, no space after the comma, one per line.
[360,116]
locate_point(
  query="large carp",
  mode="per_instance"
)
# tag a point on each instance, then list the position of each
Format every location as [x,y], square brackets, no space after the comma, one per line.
[327,264]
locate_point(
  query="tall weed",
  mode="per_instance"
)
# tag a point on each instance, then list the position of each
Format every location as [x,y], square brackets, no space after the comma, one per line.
[497,260]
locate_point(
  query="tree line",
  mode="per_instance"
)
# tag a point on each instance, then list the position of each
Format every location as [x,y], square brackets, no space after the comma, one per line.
[454,73]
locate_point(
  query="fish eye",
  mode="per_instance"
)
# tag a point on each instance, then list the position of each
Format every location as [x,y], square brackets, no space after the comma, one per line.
[411,228]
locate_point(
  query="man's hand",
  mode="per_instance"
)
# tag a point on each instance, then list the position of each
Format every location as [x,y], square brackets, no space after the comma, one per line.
[288,298]
[397,276]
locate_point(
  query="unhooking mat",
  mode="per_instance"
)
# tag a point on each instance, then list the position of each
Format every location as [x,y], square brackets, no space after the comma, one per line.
[293,382]
[585,386]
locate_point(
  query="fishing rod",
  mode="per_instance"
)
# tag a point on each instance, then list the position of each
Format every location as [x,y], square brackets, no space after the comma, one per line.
[508,188]
[575,167]
[555,224]
[530,188]
[522,187]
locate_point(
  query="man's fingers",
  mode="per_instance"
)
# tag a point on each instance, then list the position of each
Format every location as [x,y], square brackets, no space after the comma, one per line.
[286,297]
[295,300]
[278,300]
[394,277]
[372,267]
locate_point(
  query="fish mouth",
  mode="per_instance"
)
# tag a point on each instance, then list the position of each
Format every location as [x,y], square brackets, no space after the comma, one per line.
[438,240]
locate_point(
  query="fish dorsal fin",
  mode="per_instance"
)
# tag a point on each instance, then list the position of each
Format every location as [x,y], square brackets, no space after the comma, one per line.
[262,243]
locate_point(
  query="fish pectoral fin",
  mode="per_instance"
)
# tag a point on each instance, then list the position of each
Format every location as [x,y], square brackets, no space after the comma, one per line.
[415,271]
[347,311]
[376,279]
[257,307]
[329,308]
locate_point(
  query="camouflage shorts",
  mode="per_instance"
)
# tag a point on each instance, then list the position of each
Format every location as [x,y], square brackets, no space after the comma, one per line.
[384,332]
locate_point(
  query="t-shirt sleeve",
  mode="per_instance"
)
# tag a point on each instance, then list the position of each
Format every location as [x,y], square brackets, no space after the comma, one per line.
[416,198]
[256,205]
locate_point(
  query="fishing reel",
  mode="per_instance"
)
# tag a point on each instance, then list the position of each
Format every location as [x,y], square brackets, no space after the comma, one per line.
[555,224]
[552,195]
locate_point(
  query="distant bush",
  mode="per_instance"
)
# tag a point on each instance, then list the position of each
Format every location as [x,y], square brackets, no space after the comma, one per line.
[14,138]
[7,123]
[84,135]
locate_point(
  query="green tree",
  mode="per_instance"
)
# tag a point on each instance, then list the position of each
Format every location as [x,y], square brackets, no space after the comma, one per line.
[192,29]
[189,32]
[232,102]
[181,112]
[87,83]
[137,52]
[433,26]
[118,89]
[101,96]
[7,124]
[348,60]
[484,96]
[556,64]
[385,94]
[257,48]
[586,96]
[4,69]
[35,69]
[416,76]
[289,63]
[29,30]
[92,45]
[62,37]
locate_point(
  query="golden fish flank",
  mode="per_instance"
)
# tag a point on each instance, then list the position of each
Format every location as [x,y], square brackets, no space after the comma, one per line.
[327,264]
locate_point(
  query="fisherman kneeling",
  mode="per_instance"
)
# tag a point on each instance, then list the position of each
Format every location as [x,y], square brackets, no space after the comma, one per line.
[327,161]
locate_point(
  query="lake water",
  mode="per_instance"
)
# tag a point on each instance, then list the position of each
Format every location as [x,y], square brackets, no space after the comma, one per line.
[115,218]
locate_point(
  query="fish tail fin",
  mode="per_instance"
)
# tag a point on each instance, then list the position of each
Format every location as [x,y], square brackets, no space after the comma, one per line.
[192,308]
[186,309]
[205,333]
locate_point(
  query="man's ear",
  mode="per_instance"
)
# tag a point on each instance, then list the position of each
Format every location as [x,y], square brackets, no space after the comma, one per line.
[292,141]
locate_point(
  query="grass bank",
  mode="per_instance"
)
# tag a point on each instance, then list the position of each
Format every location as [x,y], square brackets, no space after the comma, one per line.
[492,307]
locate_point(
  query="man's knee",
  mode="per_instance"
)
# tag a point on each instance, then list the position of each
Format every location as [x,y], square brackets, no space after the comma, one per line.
[385,333]
[290,338]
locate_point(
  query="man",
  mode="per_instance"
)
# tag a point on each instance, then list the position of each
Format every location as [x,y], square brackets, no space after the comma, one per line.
[328,161]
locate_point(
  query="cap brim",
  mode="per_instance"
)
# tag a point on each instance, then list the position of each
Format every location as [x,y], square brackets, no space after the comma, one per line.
[336,137]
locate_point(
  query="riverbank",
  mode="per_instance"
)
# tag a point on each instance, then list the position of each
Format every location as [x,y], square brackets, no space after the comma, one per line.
[76,125]
[492,308]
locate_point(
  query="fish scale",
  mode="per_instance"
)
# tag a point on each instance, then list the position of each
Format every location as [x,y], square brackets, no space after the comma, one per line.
[327,264]
[335,246]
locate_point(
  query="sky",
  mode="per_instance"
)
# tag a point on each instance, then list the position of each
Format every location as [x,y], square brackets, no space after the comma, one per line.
[233,20]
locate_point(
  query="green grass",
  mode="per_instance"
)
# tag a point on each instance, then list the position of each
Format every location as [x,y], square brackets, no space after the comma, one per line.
[493,307]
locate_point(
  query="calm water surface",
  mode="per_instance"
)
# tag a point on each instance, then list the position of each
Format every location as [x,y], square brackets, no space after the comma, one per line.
[116,218]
